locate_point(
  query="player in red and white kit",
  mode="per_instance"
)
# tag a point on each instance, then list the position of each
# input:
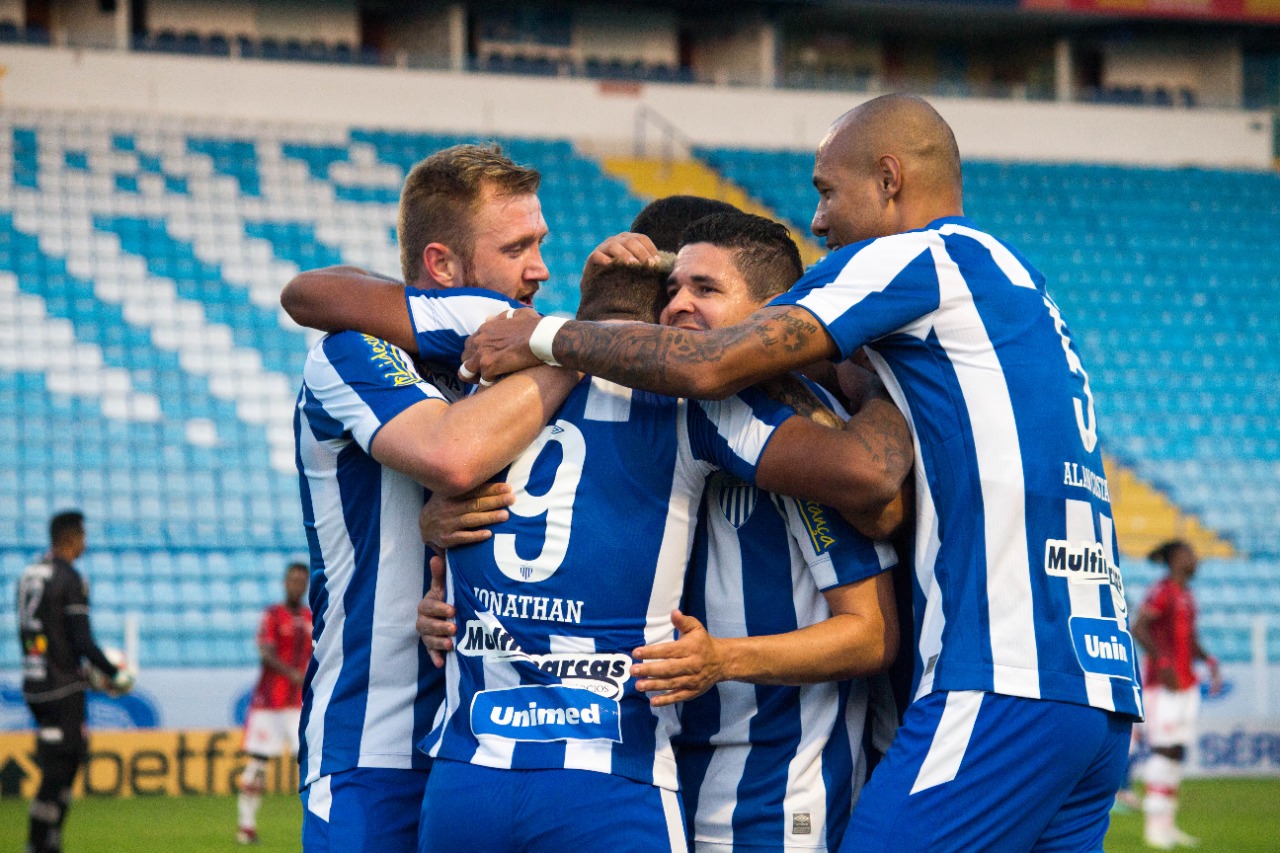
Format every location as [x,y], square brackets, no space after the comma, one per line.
[1166,629]
[284,644]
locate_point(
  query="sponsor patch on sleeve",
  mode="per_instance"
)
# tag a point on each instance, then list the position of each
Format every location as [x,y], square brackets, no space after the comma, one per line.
[815,521]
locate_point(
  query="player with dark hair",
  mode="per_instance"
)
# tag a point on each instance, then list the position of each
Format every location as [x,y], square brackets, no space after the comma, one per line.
[762,251]
[271,727]
[1166,630]
[53,625]
[788,609]
[1027,691]
[663,220]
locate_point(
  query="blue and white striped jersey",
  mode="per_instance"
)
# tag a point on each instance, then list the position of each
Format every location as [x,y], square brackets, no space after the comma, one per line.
[444,319]
[587,568]
[1017,585]
[371,691]
[765,767]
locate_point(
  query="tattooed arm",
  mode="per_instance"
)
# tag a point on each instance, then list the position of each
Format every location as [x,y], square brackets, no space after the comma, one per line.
[706,365]
[792,391]
[858,470]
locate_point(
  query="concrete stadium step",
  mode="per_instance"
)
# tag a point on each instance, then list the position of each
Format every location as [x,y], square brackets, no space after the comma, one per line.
[650,179]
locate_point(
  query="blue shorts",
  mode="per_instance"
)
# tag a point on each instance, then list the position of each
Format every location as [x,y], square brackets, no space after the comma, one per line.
[469,807]
[977,771]
[365,810]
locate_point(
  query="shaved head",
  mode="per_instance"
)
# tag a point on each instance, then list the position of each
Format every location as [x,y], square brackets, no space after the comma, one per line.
[886,166]
[903,125]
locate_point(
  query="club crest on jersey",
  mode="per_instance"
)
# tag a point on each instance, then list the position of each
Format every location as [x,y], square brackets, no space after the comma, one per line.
[542,714]
[1103,647]
[737,500]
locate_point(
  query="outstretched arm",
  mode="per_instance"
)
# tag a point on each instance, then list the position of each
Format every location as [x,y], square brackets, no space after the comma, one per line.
[337,298]
[708,365]
[860,638]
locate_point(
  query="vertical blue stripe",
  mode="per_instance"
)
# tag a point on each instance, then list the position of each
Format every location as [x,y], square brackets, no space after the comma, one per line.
[838,770]
[360,487]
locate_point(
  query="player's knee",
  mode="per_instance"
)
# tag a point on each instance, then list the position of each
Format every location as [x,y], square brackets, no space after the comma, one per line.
[253,780]
[45,810]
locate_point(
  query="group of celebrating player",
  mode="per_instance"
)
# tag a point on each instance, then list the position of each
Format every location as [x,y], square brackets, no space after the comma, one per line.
[657,626]
[667,604]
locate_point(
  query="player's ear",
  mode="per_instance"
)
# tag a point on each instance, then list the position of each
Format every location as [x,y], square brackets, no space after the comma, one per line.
[442,265]
[889,176]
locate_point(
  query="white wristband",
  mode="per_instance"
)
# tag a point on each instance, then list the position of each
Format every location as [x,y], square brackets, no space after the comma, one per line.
[544,334]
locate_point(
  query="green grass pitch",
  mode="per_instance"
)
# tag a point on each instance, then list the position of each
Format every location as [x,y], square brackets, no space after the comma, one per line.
[1230,816]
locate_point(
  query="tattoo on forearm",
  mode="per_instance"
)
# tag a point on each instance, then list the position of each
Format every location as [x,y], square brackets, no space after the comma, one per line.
[658,359]
[884,434]
[786,332]
[790,390]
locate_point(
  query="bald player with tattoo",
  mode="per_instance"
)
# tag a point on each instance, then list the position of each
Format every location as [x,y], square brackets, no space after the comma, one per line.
[1026,692]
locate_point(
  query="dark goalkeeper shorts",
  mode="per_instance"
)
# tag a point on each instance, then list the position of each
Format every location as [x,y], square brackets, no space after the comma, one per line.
[60,724]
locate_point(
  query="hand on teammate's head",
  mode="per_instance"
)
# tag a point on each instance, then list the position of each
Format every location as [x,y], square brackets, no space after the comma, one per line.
[627,247]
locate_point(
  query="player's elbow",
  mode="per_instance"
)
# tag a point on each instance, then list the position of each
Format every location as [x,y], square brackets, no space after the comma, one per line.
[446,474]
[876,525]
[888,650]
[295,299]
[869,496]
[879,650]
[453,468]
[872,652]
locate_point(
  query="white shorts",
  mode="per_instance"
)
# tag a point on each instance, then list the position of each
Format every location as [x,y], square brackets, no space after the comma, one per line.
[1171,716]
[272,731]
